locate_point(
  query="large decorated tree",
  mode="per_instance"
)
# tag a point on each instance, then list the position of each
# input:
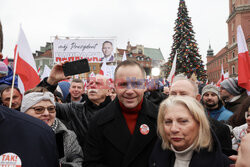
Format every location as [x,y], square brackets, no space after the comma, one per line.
[185,46]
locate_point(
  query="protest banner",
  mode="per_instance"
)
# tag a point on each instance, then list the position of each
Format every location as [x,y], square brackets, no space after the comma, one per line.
[95,50]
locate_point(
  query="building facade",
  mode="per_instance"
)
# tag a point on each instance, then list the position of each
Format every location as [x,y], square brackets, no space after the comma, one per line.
[239,14]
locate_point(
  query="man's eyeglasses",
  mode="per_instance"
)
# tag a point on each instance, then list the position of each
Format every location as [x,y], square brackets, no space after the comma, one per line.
[40,109]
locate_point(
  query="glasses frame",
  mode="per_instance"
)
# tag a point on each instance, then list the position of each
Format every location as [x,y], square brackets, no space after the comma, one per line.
[43,109]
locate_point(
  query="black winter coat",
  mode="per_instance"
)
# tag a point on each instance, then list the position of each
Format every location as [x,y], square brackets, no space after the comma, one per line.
[110,143]
[76,116]
[166,158]
[27,137]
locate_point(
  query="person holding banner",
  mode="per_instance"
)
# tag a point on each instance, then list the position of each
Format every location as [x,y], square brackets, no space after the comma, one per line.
[107,50]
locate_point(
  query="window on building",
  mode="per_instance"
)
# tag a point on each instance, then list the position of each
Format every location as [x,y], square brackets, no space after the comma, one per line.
[94,68]
[233,40]
[233,69]
[142,58]
[233,55]
[138,58]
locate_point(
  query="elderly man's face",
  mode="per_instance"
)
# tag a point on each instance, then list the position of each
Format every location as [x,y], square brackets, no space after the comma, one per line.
[183,88]
[97,88]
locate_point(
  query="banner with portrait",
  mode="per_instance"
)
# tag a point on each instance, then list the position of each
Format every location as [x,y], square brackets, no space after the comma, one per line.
[95,50]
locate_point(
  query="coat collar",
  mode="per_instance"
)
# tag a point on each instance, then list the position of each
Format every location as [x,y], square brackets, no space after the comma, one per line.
[116,130]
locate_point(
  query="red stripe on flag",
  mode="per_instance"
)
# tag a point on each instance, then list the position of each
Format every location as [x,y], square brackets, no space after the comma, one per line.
[27,74]
[244,70]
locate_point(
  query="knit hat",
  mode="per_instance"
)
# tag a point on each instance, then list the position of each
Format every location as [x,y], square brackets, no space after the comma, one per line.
[3,68]
[210,88]
[231,85]
[35,97]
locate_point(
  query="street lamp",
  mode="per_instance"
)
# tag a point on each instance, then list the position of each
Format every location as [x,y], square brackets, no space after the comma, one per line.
[155,71]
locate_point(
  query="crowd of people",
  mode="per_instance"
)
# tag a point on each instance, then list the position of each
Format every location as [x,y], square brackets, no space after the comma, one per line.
[125,123]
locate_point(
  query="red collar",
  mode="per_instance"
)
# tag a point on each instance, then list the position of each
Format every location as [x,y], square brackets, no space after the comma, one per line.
[134,110]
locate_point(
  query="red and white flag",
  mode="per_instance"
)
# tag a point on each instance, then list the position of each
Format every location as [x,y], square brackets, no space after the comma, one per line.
[172,72]
[25,66]
[243,60]
[103,70]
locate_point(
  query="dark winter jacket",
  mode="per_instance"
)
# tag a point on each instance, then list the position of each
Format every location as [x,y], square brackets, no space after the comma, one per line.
[29,138]
[77,115]
[110,143]
[203,158]
[223,134]
[234,106]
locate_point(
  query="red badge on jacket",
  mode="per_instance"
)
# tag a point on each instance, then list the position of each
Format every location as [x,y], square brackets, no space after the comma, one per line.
[144,129]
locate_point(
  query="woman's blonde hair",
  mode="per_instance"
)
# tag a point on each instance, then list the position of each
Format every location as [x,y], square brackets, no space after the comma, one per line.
[204,138]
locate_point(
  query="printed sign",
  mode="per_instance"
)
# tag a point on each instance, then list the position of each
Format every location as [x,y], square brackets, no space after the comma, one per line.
[95,50]
[10,160]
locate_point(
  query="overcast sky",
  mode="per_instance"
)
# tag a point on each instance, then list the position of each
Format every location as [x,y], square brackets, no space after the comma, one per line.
[146,22]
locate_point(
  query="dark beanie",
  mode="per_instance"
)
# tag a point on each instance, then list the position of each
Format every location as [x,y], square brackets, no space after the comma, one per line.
[231,85]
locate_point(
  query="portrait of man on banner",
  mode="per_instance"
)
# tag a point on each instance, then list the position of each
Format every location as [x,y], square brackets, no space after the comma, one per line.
[108,51]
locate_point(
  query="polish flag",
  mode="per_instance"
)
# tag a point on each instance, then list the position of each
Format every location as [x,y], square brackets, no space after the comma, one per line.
[243,60]
[46,72]
[92,74]
[226,75]
[103,68]
[25,66]
[124,57]
[222,73]
[172,72]
[6,61]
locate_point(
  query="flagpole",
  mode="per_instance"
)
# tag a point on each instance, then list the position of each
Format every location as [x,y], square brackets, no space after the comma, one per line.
[14,74]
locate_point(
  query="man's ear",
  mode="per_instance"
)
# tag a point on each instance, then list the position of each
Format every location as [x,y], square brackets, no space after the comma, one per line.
[198,97]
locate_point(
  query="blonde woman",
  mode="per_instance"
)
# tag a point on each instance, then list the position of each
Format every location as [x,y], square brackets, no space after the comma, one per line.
[185,136]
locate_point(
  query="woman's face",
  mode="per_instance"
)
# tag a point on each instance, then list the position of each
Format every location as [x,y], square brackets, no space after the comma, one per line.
[44,110]
[180,127]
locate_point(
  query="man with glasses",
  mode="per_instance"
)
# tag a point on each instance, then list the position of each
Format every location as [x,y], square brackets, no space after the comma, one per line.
[124,132]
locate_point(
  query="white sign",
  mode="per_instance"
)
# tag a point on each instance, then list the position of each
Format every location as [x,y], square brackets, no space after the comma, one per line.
[10,159]
[95,50]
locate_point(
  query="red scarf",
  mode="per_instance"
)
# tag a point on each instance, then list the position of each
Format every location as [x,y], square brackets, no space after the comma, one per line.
[131,115]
